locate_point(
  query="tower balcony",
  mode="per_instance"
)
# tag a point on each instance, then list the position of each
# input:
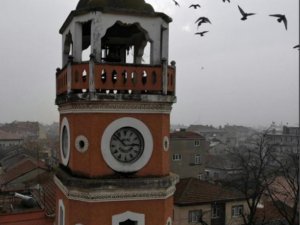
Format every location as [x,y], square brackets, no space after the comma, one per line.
[113,78]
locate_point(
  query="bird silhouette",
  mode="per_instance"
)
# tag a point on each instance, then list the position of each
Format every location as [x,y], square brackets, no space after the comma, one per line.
[245,15]
[226,0]
[297,46]
[201,33]
[176,3]
[195,6]
[201,20]
[281,18]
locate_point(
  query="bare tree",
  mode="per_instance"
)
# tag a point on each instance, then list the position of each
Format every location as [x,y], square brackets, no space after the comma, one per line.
[254,163]
[284,190]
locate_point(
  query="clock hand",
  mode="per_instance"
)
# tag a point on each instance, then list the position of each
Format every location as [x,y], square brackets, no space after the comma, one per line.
[122,142]
[132,145]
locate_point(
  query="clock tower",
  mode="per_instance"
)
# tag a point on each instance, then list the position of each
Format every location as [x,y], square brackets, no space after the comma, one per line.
[114,93]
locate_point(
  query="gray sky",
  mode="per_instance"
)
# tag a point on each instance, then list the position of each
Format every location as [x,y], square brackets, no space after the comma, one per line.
[240,72]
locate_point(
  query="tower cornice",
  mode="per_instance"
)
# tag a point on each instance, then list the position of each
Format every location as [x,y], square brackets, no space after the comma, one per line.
[118,104]
[109,189]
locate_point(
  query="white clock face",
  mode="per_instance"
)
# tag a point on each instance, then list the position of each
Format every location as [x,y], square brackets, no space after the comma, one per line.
[127,145]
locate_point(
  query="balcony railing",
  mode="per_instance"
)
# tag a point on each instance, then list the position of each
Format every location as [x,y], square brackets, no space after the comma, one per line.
[115,78]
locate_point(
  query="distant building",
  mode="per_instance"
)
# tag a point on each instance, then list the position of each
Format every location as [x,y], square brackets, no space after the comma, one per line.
[287,140]
[188,150]
[199,202]
[231,135]
[208,131]
[220,167]
[9,139]
[23,129]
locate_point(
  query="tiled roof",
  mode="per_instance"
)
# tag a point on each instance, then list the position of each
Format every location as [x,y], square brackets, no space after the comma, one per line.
[12,160]
[186,135]
[21,168]
[192,191]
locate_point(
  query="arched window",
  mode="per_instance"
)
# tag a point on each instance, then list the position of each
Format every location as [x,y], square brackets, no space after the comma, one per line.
[128,218]
[61,212]
[126,43]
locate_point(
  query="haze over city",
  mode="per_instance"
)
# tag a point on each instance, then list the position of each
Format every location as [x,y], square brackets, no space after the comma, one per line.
[239,72]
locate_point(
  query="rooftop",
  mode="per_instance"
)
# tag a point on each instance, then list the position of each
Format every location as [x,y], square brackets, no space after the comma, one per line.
[136,5]
[185,135]
[9,136]
[192,191]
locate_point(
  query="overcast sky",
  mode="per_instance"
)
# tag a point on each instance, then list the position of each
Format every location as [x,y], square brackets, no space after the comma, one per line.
[240,72]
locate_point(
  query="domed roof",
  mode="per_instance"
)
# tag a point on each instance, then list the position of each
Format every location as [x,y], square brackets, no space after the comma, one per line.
[134,7]
[128,5]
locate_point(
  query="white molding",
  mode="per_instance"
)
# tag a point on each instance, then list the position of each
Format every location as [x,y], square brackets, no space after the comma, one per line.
[105,145]
[166,143]
[169,221]
[117,107]
[77,143]
[65,159]
[122,217]
[114,195]
[61,208]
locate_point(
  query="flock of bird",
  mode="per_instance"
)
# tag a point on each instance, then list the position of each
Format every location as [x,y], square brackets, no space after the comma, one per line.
[281,18]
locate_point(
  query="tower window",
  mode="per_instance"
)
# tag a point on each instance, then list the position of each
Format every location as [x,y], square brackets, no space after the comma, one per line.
[61,213]
[129,222]
[86,41]
[126,43]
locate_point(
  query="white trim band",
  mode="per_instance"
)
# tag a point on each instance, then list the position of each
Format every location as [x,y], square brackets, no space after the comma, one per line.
[122,194]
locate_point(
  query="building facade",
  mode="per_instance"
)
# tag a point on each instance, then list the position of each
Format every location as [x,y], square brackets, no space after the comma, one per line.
[285,141]
[115,116]
[8,140]
[188,150]
[200,202]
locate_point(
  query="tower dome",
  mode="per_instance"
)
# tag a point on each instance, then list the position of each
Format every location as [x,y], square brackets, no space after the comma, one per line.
[124,5]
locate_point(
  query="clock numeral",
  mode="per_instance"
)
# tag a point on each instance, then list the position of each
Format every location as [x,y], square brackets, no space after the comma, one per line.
[116,151]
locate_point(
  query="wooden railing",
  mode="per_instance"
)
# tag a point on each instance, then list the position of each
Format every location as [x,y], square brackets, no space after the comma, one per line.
[115,78]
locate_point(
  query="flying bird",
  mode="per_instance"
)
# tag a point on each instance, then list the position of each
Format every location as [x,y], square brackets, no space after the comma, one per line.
[201,33]
[176,3]
[245,14]
[281,18]
[201,20]
[226,0]
[297,46]
[195,6]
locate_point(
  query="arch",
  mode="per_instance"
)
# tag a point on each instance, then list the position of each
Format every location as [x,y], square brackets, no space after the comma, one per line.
[61,212]
[68,47]
[120,38]
[138,218]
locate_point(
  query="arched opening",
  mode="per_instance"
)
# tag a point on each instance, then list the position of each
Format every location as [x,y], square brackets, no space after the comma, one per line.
[68,47]
[86,41]
[128,218]
[128,222]
[126,43]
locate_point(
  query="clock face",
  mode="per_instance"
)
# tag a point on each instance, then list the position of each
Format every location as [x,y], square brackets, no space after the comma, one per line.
[127,145]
